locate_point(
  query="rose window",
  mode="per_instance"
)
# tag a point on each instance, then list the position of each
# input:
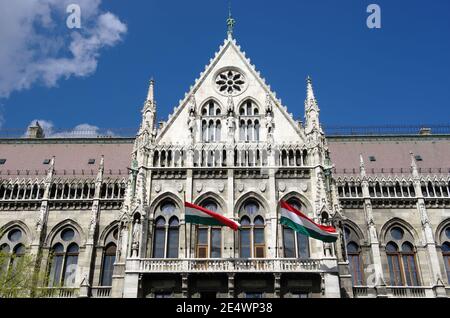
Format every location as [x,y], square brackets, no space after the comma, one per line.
[230,82]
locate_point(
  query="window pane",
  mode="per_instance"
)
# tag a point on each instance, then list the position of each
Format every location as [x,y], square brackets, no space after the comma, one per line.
[14,235]
[158,248]
[202,237]
[70,270]
[55,270]
[352,247]
[173,243]
[67,234]
[302,245]
[447,267]
[289,242]
[216,245]
[245,247]
[107,270]
[397,233]
[258,235]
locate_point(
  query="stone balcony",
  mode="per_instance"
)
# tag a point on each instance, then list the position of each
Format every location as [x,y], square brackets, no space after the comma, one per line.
[397,292]
[255,265]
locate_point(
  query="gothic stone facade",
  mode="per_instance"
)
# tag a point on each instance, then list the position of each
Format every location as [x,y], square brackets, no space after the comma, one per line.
[106,217]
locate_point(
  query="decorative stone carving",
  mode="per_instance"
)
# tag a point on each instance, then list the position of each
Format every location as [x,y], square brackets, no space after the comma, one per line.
[240,187]
[221,187]
[282,186]
[180,187]
[157,188]
[199,187]
[262,186]
[304,187]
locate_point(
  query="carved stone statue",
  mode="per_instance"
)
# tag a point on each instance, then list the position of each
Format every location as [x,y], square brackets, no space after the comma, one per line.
[135,238]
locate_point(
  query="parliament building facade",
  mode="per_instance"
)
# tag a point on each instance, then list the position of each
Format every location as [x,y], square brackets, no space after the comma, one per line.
[105,216]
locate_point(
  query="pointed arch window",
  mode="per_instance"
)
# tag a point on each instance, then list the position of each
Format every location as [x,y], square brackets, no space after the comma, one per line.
[12,245]
[251,232]
[108,264]
[401,258]
[295,244]
[249,123]
[354,260]
[446,255]
[445,247]
[209,238]
[109,257]
[166,235]
[211,122]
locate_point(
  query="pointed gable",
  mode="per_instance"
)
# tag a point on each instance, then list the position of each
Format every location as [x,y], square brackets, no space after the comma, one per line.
[229,57]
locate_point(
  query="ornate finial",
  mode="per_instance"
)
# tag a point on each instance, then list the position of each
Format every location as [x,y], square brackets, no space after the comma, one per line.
[362,166]
[151,94]
[309,89]
[415,173]
[230,22]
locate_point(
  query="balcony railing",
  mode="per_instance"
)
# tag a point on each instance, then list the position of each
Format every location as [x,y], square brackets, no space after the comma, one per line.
[153,265]
[59,292]
[101,291]
[395,292]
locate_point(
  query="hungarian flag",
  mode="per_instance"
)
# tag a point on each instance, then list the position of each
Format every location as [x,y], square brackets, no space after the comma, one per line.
[198,215]
[299,222]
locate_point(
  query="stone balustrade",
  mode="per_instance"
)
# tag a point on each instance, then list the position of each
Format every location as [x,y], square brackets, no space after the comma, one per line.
[153,265]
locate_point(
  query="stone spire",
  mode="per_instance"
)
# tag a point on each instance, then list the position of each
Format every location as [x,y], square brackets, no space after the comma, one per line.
[311,109]
[415,172]
[151,94]
[311,101]
[362,166]
[149,109]
[230,23]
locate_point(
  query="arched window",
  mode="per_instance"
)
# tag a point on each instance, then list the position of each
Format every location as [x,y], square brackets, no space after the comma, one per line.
[108,264]
[401,257]
[353,255]
[173,237]
[159,242]
[64,258]
[209,238]
[295,244]
[445,247]
[251,232]
[211,124]
[109,257]
[12,244]
[166,231]
[249,124]
[354,260]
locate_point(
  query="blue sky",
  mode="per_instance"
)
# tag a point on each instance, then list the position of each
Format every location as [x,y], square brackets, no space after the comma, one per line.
[399,74]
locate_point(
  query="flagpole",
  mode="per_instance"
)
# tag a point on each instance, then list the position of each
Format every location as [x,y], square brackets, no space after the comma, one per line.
[276,229]
[185,225]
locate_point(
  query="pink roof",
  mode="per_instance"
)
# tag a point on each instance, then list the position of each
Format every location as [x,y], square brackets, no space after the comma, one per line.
[390,153]
[70,156]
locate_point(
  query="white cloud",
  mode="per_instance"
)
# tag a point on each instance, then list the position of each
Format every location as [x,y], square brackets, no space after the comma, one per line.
[79,131]
[37,47]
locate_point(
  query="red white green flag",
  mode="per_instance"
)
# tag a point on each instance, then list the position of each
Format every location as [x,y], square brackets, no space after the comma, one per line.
[299,222]
[198,215]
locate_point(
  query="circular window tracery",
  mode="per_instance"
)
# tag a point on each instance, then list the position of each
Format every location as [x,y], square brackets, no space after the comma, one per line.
[230,82]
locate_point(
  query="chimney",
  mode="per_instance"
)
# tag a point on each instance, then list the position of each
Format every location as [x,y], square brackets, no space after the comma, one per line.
[425,131]
[35,131]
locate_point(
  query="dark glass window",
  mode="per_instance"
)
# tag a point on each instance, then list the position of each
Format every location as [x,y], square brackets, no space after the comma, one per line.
[160,238]
[289,242]
[216,242]
[353,255]
[173,238]
[108,264]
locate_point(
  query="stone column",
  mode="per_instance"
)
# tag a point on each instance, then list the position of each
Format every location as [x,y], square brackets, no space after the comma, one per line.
[427,233]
